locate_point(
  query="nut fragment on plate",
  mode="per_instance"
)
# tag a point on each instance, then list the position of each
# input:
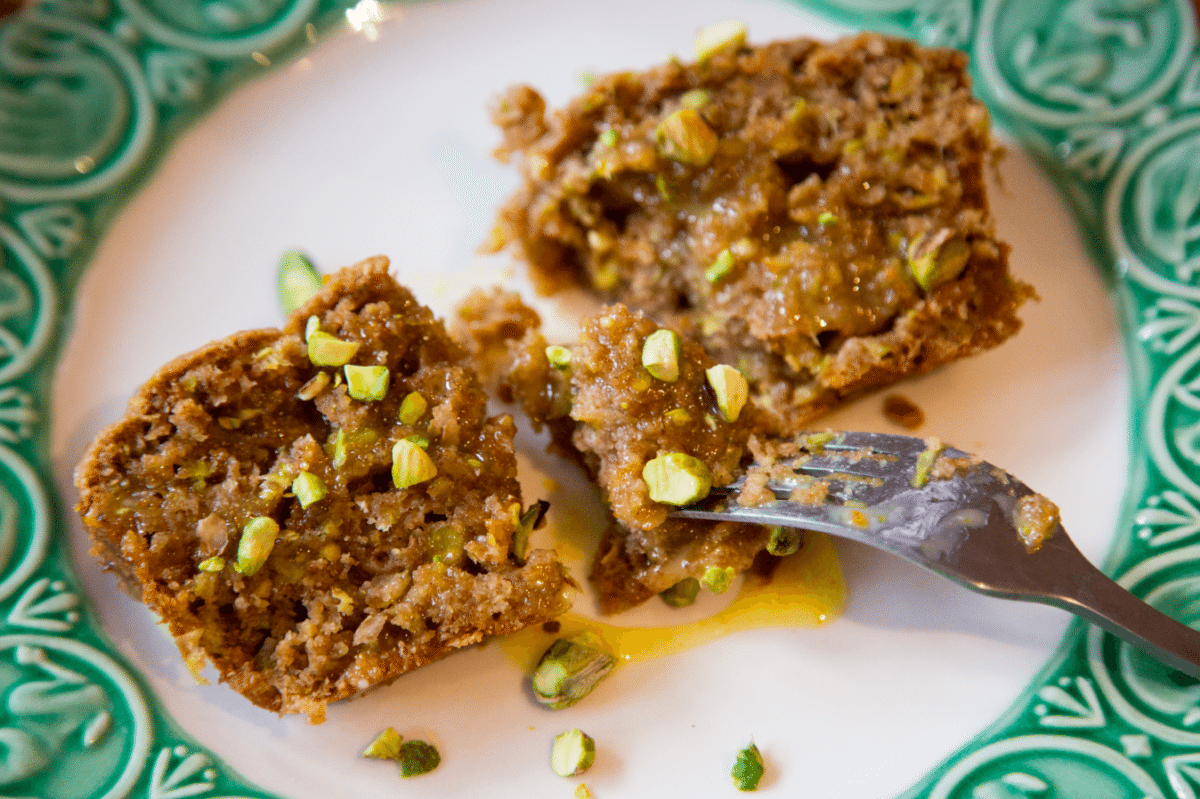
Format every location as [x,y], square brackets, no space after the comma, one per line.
[314,538]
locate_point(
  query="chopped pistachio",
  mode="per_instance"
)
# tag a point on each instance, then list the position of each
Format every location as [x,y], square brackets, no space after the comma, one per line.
[417,757]
[730,389]
[941,264]
[660,183]
[526,524]
[607,277]
[446,542]
[212,565]
[315,385]
[925,461]
[325,349]
[258,538]
[412,407]
[331,552]
[827,218]
[907,77]
[718,578]
[297,280]
[609,138]
[367,383]
[582,792]
[311,325]
[678,416]
[559,356]
[677,478]
[661,353]
[340,451]
[720,267]
[386,746]
[784,541]
[682,594]
[695,98]
[570,669]
[573,753]
[420,441]
[747,769]
[411,464]
[309,489]
[684,136]
[716,37]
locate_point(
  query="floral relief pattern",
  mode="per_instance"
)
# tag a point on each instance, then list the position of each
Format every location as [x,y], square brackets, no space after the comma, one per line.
[92,90]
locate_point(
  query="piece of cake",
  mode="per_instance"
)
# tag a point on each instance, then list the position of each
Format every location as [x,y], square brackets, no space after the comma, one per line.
[814,214]
[319,509]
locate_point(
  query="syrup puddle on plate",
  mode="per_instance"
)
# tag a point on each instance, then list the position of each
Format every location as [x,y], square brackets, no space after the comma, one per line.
[804,590]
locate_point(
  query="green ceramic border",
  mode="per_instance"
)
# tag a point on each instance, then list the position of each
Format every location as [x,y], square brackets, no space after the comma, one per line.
[1105,93]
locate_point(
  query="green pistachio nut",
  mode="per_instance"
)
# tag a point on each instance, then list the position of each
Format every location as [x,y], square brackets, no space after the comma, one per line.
[682,594]
[747,769]
[367,383]
[418,757]
[684,136]
[677,478]
[413,407]
[446,542]
[717,579]
[661,353]
[296,279]
[573,753]
[386,746]
[309,489]
[315,385]
[720,267]
[730,389]
[940,264]
[924,465]
[784,541]
[411,464]
[526,524]
[325,349]
[258,538]
[678,416]
[559,356]
[713,38]
[570,669]
[212,565]
[695,98]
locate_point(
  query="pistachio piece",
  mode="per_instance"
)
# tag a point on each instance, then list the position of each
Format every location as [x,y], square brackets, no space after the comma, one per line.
[924,466]
[695,98]
[212,565]
[258,538]
[412,407]
[420,441]
[747,769]
[296,279]
[559,356]
[386,746]
[367,383]
[730,389]
[684,136]
[660,355]
[784,541]
[309,489]
[325,349]
[718,578]
[827,218]
[315,385]
[528,522]
[609,138]
[570,669]
[939,265]
[418,757]
[720,267]
[682,594]
[573,753]
[446,542]
[716,37]
[678,416]
[411,464]
[677,478]
[311,325]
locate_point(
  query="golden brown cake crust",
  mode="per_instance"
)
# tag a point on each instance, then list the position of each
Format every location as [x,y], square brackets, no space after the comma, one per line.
[364,584]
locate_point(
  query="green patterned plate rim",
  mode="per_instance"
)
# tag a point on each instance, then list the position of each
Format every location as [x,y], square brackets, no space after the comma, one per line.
[1104,93]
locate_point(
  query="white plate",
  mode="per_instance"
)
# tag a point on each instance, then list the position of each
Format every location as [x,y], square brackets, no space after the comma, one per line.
[382,145]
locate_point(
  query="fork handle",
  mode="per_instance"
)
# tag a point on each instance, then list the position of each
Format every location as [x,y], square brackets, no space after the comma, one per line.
[1090,593]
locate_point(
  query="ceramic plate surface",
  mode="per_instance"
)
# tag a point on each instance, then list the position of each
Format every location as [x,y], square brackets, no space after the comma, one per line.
[376,139]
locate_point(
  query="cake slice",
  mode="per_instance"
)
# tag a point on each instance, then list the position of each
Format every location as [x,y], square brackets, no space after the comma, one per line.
[319,509]
[814,214]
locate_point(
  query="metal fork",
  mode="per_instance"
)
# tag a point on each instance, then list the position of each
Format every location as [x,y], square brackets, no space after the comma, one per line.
[960,526]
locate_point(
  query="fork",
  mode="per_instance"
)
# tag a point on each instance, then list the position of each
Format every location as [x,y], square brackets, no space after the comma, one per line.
[956,519]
